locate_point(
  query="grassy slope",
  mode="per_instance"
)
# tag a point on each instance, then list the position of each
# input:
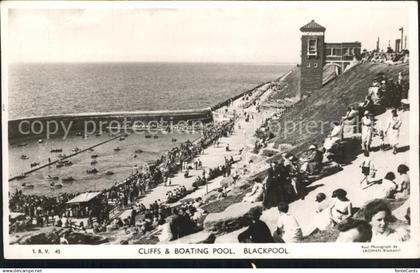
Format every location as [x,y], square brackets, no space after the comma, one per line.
[330,102]
[288,86]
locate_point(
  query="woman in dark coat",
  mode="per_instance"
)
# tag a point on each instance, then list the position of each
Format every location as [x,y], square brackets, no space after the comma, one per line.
[274,193]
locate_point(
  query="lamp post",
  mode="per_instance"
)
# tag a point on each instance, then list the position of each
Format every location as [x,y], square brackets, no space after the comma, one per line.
[402,36]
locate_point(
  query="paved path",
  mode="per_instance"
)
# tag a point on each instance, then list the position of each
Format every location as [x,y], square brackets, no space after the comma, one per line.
[242,137]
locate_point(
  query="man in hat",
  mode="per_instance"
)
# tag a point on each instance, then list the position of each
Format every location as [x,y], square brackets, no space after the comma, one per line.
[367,130]
[257,231]
[312,163]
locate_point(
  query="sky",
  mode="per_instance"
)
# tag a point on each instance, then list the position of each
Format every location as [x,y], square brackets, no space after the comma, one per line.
[189,34]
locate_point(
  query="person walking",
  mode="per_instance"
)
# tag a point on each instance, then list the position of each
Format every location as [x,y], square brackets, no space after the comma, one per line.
[367,130]
[393,130]
[368,169]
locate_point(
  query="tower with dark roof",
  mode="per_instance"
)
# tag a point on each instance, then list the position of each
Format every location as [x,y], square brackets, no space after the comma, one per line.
[313,56]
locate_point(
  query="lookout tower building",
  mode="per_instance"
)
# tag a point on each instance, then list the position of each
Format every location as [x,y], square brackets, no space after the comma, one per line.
[312,56]
[318,57]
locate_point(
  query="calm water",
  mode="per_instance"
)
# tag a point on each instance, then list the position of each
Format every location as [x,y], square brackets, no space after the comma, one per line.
[44,89]
[121,162]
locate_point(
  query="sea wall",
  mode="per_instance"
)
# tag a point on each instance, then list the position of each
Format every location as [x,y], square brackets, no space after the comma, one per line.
[39,127]
[99,122]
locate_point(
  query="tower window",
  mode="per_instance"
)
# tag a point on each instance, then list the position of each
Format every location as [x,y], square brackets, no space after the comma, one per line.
[308,65]
[312,47]
[315,65]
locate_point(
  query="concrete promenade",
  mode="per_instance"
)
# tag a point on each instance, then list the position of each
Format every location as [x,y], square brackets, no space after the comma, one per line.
[242,138]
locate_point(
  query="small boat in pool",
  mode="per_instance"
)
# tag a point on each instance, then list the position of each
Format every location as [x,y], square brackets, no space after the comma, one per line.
[67,179]
[27,186]
[91,150]
[117,149]
[109,173]
[94,156]
[174,140]
[59,165]
[148,136]
[34,164]
[92,171]
[49,177]
[68,163]
[61,156]
[40,141]
[155,136]
[138,151]
[76,150]
[93,162]
[122,138]
[56,150]
[55,185]
[24,157]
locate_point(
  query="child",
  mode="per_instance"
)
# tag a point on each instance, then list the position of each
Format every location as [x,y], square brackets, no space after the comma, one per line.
[368,169]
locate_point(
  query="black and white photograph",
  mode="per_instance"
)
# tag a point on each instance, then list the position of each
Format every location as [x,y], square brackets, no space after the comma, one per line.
[210,129]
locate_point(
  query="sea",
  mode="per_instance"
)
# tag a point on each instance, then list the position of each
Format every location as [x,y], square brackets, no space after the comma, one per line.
[64,88]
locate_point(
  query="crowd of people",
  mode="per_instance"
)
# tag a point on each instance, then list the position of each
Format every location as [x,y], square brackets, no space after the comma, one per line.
[284,182]
[39,210]
[42,210]
[388,56]
[373,224]
[383,94]
[176,194]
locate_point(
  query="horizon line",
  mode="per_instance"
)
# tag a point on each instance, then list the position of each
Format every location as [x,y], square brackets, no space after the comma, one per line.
[167,62]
